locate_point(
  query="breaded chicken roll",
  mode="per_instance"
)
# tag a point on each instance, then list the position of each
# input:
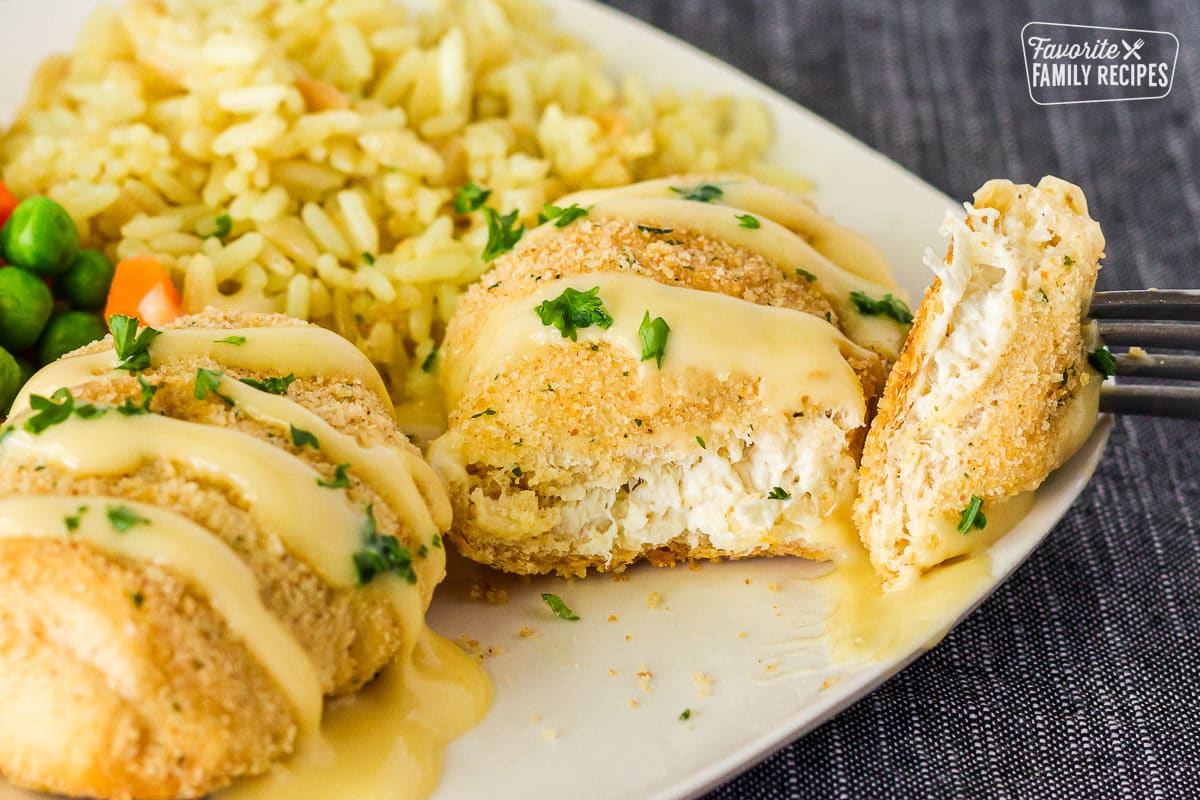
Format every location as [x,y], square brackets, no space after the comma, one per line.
[203,533]
[994,388]
[665,372]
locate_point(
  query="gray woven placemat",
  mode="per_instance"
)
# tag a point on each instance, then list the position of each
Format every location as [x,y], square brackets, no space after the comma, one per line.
[1081,676]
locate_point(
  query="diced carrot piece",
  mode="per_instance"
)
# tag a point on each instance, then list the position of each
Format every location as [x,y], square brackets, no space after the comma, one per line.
[142,288]
[7,203]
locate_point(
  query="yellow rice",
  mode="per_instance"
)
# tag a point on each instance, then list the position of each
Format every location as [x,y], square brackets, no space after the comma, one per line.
[334,134]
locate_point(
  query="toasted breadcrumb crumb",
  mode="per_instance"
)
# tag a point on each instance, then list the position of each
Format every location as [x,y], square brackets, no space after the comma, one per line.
[652,600]
[703,682]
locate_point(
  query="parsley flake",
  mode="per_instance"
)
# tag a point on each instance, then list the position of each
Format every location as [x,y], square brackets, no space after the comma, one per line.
[972,516]
[72,522]
[132,347]
[340,479]
[271,385]
[700,441]
[49,411]
[778,493]
[703,193]
[685,715]
[653,335]
[487,412]
[470,198]
[367,258]
[502,236]
[138,598]
[574,309]
[1068,260]
[560,609]
[430,362]
[381,554]
[649,229]
[747,221]
[129,408]
[236,341]
[889,306]
[562,216]
[1103,362]
[209,380]
[437,542]
[301,437]
[224,225]
[808,276]
[122,518]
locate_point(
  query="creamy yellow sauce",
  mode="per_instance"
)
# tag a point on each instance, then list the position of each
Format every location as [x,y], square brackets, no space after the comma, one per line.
[306,352]
[191,552]
[800,359]
[867,623]
[385,742]
[281,493]
[840,245]
[774,242]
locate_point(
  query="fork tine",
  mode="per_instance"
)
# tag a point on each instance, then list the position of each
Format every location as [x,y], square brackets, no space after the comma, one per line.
[1185,368]
[1175,335]
[1182,402]
[1173,304]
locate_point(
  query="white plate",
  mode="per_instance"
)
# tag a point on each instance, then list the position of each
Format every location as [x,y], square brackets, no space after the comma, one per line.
[563,724]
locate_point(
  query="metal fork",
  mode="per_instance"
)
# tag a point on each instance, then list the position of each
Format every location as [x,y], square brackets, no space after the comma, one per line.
[1151,318]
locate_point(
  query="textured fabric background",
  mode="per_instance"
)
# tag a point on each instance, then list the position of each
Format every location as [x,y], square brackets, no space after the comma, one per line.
[1081,676]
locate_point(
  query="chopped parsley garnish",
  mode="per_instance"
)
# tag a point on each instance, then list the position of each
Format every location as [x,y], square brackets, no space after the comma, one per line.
[574,309]
[1042,294]
[637,422]
[889,306]
[747,221]
[209,380]
[685,715]
[470,198]
[72,522]
[224,224]
[516,471]
[653,335]
[502,236]
[271,385]
[649,229]
[808,276]
[430,361]
[560,609]
[437,542]
[122,518]
[1068,260]
[1103,362]
[49,412]
[301,437]
[90,410]
[562,216]
[129,408]
[422,552]
[381,554]
[138,598]
[703,193]
[487,412]
[236,341]
[972,516]
[700,441]
[368,258]
[340,479]
[132,347]
[778,493]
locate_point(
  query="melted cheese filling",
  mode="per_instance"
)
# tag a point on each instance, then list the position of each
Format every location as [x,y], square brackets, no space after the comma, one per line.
[388,739]
[799,359]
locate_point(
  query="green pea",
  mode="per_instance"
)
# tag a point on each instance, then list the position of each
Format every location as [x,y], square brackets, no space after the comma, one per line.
[85,283]
[25,305]
[40,236]
[69,331]
[27,369]
[10,380]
